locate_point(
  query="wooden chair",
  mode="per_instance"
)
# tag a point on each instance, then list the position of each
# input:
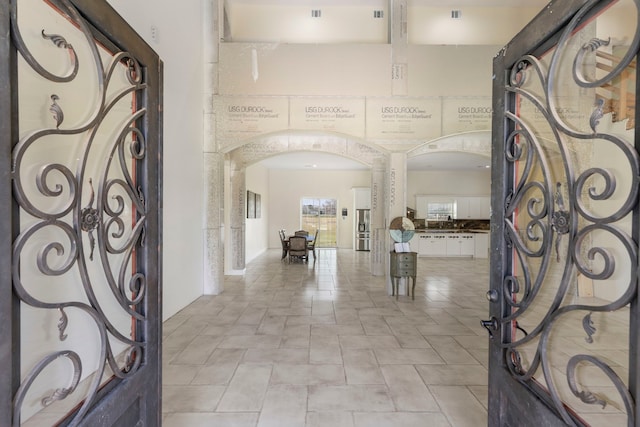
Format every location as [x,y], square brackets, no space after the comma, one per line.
[298,248]
[311,245]
[284,242]
[301,233]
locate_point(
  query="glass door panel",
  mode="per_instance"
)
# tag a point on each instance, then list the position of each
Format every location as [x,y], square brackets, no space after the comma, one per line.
[78,260]
[571,194]
[320,214]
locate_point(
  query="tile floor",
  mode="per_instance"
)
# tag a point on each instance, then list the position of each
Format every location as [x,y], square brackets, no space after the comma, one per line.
[324,345]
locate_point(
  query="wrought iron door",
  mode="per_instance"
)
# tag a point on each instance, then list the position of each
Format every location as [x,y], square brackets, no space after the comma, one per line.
[564,263]
[80,252]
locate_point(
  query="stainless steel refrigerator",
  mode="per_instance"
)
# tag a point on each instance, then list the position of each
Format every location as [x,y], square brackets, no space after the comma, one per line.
[363,233]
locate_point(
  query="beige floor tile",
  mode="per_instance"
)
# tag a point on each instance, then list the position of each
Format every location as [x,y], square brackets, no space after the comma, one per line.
[308,374]
[481,392]
[329,419]
[296,330]
[190,398]
[349,398]
[346,315]
[251,341]
[408,391]
[361,367]
[460,406]
[368,341]
[451,351]
[208,419]
[351,329]
[296,341]
[325,345]
[407,356]
[252,316]
[215,374]
[198,350]
[284,406]
[397,419]
[276,355]
[412,341]
[246,390]
[325,349]
[322,308]
[310,320]
[178,374]
[453,374]
[445,329]
[272,325]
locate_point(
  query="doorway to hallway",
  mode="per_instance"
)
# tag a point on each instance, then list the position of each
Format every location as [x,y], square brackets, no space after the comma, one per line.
[320,214]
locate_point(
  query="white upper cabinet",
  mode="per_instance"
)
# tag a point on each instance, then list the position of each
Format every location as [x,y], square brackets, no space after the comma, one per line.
[473,207]
[362,198]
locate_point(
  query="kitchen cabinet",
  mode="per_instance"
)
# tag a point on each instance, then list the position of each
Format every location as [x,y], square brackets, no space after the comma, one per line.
[473,207]
[460,245]
[432,244]
[481,241]
[362,198]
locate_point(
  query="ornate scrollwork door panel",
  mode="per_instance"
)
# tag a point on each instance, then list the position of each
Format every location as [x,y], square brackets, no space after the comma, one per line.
[85,186]
[565,202]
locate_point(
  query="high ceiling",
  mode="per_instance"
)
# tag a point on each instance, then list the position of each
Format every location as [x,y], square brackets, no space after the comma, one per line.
[245,25]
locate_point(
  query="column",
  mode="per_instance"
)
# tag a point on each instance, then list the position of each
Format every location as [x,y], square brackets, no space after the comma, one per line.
[213,249]
[214,224]
[378,217]
[397,200]
[235,252]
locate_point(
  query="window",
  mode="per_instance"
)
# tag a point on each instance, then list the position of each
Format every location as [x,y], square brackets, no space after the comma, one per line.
[320,214]
[440,211]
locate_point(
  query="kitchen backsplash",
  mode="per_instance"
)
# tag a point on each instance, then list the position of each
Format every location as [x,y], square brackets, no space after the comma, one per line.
[469,224]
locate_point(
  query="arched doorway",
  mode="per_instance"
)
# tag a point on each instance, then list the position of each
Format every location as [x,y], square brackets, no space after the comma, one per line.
[315,145]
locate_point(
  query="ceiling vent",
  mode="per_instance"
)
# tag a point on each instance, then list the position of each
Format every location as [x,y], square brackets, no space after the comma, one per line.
[316,13]
[378,14]
[456,14]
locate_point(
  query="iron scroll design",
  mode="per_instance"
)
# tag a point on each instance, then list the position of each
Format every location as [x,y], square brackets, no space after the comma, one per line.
[559,230]
[116,213]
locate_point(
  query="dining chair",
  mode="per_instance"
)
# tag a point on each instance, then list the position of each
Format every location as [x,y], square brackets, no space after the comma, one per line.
[284,242]
[311,244]
[301,233]
[298,248]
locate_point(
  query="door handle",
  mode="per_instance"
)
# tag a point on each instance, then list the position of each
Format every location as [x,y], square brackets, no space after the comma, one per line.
[490,325]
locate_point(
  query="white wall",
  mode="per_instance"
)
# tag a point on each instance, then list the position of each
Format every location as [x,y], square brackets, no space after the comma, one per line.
[287,187]
[354,70]
[257,229]
[477,26]
[180,47]
[461,183]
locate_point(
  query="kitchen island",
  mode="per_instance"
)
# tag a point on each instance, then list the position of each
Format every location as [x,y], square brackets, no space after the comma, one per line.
[451,243]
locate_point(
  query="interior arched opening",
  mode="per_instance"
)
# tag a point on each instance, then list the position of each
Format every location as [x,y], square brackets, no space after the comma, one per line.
[283,172]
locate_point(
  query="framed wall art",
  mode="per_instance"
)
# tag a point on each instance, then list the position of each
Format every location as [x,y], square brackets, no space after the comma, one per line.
[251,204]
